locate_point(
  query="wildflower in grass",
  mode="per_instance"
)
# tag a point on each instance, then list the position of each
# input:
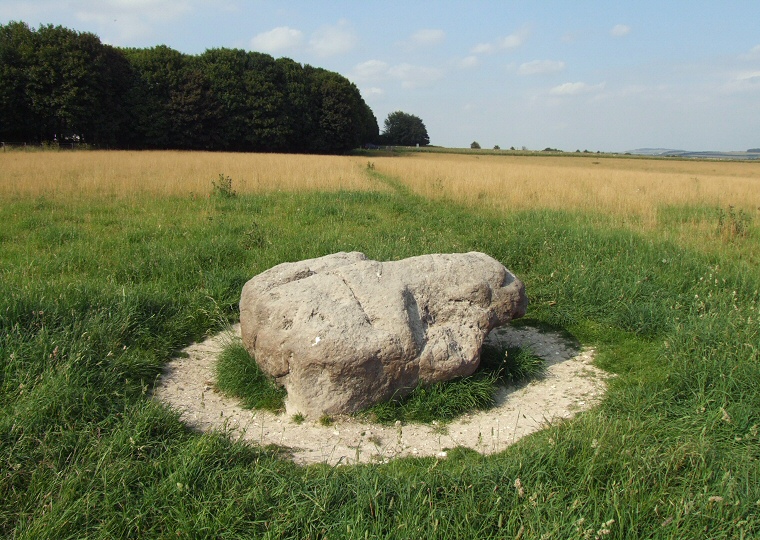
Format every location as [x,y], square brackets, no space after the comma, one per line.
[605,530]
[519,488]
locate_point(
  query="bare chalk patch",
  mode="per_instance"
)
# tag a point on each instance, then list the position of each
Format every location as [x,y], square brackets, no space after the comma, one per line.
[571,385]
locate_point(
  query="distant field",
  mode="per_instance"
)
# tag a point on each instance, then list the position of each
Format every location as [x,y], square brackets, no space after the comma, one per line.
[681,199]
[123,173]
[619,186]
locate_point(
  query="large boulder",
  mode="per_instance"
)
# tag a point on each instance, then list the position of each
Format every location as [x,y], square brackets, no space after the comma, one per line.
[343,332]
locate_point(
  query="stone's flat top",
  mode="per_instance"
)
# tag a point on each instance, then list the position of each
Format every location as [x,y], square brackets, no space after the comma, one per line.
[572,384]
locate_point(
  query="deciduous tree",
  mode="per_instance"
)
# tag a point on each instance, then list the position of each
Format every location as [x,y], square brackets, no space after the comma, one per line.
[404,129]
[58,84]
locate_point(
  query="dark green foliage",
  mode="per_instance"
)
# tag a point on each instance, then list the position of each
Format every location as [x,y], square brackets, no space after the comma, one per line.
[339,107]
[404,129]
[170,100]
[239,375]
[60,85]
[16,119]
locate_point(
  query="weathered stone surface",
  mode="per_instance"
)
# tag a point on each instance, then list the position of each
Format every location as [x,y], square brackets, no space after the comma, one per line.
[343,332]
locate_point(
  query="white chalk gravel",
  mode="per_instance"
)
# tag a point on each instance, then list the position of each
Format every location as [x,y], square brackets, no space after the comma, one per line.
[571,384]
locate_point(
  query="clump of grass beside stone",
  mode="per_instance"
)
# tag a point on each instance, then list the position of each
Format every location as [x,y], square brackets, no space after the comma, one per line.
[445,401]
[238,375]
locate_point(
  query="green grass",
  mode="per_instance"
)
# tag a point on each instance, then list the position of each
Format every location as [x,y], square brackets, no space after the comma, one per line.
[442,401]
[446,401]
[95,297]
[513,365]
[238,374]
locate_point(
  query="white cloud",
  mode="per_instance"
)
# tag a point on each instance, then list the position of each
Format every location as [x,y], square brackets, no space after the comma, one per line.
[753,54]
[282,38]
[373,91]
[408,75]
[540,67]
[371,70]
[128,26]
[468,62]
[483,48]
[513,41]
[575,88]
[415,76]
[123,21]
[509,42]
[428,37]
[745,81]
[333,40]
[752,76]
[145,10]
[620,30]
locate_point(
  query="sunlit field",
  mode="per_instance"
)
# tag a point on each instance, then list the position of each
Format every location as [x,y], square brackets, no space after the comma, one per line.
[626,188]
[123,173]
[618,186]
[112,262]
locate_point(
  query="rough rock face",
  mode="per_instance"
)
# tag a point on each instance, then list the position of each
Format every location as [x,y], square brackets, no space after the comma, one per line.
[343,332]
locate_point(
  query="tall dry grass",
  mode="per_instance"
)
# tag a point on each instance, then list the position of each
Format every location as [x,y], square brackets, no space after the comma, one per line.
[123,173]
[620,187]
[625,188]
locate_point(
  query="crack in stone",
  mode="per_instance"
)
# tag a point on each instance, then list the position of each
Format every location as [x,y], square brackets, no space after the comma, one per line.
[353,294]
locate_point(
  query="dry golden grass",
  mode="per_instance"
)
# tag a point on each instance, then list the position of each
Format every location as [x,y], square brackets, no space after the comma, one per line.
[614,186]
[619,187]
[123,173]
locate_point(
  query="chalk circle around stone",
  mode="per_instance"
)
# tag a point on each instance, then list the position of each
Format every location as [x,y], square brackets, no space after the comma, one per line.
[342,333]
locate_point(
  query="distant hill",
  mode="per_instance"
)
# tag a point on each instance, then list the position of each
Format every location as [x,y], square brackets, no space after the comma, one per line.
[753,153]
[652,151]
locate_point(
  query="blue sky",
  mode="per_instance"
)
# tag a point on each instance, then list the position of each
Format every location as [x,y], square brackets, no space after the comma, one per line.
[597,75]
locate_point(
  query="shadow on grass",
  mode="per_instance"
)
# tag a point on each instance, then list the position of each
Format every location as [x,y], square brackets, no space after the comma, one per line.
[511,356]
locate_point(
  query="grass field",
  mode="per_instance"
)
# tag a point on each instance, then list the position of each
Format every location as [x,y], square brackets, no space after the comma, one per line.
[125,174]
[626,188]
[110,262]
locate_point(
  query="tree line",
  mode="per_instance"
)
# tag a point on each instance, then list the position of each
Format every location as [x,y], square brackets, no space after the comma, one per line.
[58,84]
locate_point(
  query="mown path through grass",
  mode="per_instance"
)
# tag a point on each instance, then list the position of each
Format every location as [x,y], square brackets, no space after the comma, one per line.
[95,296]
